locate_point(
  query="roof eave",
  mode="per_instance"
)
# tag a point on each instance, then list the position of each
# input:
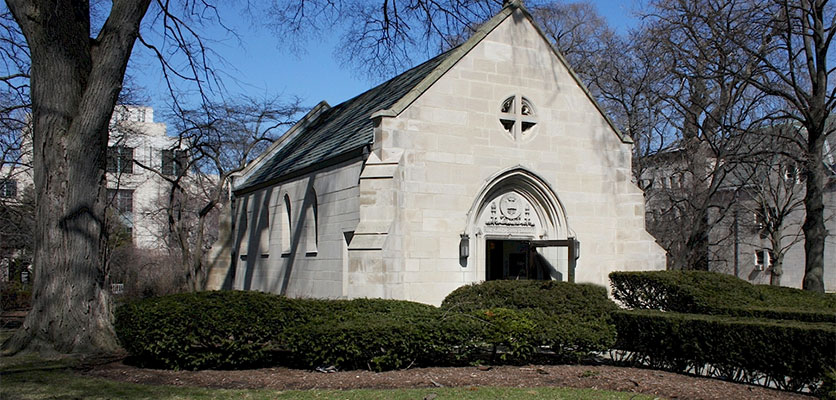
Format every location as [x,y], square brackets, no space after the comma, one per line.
[358,153]
[277,145]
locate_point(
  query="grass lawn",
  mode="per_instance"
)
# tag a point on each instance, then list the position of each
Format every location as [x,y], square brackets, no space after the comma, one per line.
[63,384]
[5,334]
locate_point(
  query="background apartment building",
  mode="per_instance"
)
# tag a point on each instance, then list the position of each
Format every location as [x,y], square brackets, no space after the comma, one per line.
[740,214]
[141,160]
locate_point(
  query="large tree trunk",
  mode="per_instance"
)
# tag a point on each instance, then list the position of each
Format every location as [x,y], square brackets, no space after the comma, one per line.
[814,229]
[75,83]
[777,269]
[816,23]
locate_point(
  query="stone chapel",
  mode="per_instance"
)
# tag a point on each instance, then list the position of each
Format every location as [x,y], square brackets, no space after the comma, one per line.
[489,161]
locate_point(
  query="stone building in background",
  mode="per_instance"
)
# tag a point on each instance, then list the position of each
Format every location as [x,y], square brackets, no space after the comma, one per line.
[754,201]
[139,156]
[489,161]
[138,149]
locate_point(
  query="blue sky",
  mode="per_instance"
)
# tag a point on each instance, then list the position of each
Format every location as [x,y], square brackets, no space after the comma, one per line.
[259,67]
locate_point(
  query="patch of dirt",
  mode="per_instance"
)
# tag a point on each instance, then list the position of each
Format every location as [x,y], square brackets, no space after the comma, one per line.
[652,382]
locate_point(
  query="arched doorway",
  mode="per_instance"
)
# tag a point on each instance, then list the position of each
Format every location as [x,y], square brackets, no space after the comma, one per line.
[514,207]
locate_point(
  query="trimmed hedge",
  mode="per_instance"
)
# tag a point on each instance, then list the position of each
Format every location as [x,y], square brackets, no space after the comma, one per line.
[226,329]
[366,333]
[523,317]
[552,297]
[791,354]
[702,292]
[15,296]
[510,322]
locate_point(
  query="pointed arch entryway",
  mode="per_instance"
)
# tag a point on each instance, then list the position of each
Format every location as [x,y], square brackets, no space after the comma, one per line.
[513,207]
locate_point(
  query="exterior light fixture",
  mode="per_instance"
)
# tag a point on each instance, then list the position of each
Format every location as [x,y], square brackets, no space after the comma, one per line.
[464,246]
[577,245]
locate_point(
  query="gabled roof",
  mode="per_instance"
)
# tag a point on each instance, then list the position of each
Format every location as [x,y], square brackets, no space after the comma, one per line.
[342,132]
[344,128]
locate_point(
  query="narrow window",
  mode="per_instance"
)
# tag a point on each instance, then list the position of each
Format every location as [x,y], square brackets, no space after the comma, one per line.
[120,159]
[264,236]
[8,188]
[243,234]
[121,201]
[791,174]
[762,259]
[286,226]
[174,162]
[311,223]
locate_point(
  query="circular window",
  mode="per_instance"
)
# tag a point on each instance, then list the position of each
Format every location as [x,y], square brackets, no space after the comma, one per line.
[517,116]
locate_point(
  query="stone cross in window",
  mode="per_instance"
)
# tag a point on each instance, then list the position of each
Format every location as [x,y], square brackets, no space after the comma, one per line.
[517,116]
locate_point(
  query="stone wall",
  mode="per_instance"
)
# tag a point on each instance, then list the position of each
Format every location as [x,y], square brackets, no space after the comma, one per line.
[453,142]
[308,263]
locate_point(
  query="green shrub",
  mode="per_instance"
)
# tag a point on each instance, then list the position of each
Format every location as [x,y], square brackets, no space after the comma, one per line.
[572,337]
[571,320]
[827,389]
[15,296]
[240,329]
[367,333]
[227,329]
[552,297]
[510,330]
[704,292]
[791,354]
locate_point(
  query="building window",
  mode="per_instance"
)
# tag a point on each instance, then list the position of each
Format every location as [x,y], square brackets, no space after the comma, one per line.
[311,224]
[8,188]
[120,159]
[121,202]
[517,116]
[243,233]
[759,220]
[174,161]
[763,259]
[286,226]
[677,180]
[791,174]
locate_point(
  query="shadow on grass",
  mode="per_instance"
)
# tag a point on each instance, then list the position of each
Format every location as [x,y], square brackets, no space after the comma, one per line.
[42,385]
[32,361]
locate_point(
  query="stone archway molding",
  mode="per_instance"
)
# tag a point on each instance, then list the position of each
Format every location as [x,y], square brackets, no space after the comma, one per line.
[534,188]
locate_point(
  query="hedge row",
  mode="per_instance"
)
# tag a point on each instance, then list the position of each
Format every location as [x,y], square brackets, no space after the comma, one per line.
[15,296]
[702,292]
[206,329]
[790,354]
[239,329]
[552,297]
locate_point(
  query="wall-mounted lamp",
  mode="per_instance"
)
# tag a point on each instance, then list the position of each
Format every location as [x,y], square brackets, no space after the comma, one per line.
[577,248]
[464,246]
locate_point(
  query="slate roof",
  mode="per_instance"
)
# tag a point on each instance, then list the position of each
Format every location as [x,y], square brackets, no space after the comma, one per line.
[342,129]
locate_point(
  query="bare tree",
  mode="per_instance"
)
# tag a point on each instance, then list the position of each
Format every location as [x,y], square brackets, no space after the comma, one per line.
[793,69]
[78,56]
[771,197]
[582,36]
[383,37]
[709,110]
[221,139]
[14,94]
